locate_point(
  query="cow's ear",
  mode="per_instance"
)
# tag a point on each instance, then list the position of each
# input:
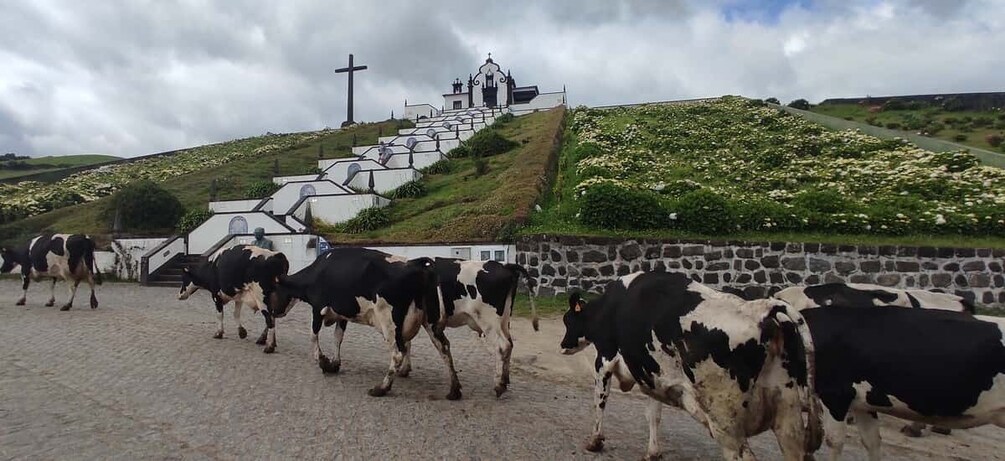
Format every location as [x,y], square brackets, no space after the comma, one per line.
[185,270]
[574,300]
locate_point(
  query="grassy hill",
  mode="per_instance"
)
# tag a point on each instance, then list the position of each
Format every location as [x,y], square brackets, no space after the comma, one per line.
[733,169]
[52,163]
[967,127]
[250,160]
[462,206]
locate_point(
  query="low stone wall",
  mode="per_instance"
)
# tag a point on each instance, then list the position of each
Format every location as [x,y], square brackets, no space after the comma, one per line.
[759,268]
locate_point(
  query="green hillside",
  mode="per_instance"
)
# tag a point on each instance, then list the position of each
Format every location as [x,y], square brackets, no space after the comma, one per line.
[236,165]
[981,129]
[17,168]
[735,169]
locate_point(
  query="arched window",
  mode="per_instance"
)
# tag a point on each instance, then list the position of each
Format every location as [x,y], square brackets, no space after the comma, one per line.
[447,125]
[307,190]
[431,133]
[411,142]
[238,225]
[353,169]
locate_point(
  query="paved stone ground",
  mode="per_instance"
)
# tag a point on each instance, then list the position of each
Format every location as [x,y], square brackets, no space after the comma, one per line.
[141,377]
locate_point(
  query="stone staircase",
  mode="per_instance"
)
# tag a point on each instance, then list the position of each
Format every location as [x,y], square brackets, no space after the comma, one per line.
[170,274]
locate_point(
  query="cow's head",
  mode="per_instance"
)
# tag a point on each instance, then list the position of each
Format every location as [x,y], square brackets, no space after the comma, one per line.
[285,295]
[9,260]
[575,320]
[188,286]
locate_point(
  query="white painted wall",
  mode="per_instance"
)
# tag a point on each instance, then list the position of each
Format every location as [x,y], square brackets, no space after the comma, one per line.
[300,177]
[448,100]
[218,226]
[420,110]
[384,180]
[474,251]
[124,259]
[289,194]
[225,206]
[542,101]
[293,246]
[339,171]
[334,209]
[420,160]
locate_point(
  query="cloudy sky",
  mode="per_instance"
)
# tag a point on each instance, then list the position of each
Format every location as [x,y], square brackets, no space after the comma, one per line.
[140,76]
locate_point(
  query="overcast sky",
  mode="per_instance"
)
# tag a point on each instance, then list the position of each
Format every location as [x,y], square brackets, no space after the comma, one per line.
[135,77]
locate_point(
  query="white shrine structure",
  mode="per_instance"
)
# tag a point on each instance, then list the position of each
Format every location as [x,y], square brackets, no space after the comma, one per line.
[351,184]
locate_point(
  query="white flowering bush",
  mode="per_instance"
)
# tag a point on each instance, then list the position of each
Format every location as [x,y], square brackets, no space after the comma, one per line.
[29,198]
[777,171]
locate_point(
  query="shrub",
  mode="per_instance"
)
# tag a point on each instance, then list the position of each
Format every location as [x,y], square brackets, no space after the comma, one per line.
[894,104]
[981,122]
[260,189]
[487,143]
[703,211]
[193,218]
[481,165]
[934,127]
[144,205]
[994,139]
[757,215]
[440,167]
[953,104]
[367,220]
[960,137]
[893,125]
[822,201]
[459,152]
[411,189]
[773,101]
[502,120]
[801,104]
[609,205]
[872,120]
[585,151]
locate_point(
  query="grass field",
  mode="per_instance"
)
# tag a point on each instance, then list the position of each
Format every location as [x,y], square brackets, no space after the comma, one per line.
[53,163]
[193,189]
[954,123]
[462,207]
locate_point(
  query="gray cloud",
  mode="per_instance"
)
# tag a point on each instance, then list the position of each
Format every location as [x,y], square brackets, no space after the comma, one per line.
[129,78]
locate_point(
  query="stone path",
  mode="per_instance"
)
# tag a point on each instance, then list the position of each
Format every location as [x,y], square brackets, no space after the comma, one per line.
[141,378]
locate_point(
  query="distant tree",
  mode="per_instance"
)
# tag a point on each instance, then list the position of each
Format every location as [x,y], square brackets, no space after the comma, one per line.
[773,101]
[800,104]
[994,139]
[145,205]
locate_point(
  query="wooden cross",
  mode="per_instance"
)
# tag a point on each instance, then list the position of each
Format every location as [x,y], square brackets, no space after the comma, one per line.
[350,69]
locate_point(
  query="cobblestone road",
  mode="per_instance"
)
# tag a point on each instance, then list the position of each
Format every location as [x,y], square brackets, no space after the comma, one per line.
[141,377]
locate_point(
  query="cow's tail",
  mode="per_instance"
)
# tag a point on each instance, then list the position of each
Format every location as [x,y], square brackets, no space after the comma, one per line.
[798,346]
[89,260]
[530,292]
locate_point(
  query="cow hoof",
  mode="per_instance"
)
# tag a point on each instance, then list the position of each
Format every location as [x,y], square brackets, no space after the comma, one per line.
[595,444]
[942,430]
[66,307]
[910,431]
[52,302]
[269,349]
[377,392]
[242,333]
[329,322]
[455,394]
[94,305]
[19,302]
[500,389]
[218,335]
[329,366]
[652,457]
[260,341]
[404,372]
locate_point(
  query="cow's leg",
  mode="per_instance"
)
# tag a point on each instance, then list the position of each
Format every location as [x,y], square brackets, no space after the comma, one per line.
[390,332]
[263,337]
[25,281]
[270,328]
[73,294]
[52,294]
[835,434]
[788,427]
[868,429]
[442,345]
[219,320]
[241,332]
[94,299]
[601,391]
[914,429]
[503,348]
[340,327]
[406,362]
[654,413]
[327,366]
[942,430]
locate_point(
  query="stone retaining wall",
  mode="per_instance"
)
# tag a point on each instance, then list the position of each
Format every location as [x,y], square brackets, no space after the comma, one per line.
[759,268]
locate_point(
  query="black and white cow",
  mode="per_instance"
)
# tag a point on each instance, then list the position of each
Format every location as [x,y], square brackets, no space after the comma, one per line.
[860,294]
[863,295]
[480,295]
[738,367]
[925,365]
[372,288]
[61,256]
[244,274]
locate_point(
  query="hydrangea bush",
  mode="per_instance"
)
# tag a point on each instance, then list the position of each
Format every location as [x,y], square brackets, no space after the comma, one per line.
[732,164]
[30,198]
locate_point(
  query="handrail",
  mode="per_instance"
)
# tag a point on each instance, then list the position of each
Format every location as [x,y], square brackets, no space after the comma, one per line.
[145,259]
